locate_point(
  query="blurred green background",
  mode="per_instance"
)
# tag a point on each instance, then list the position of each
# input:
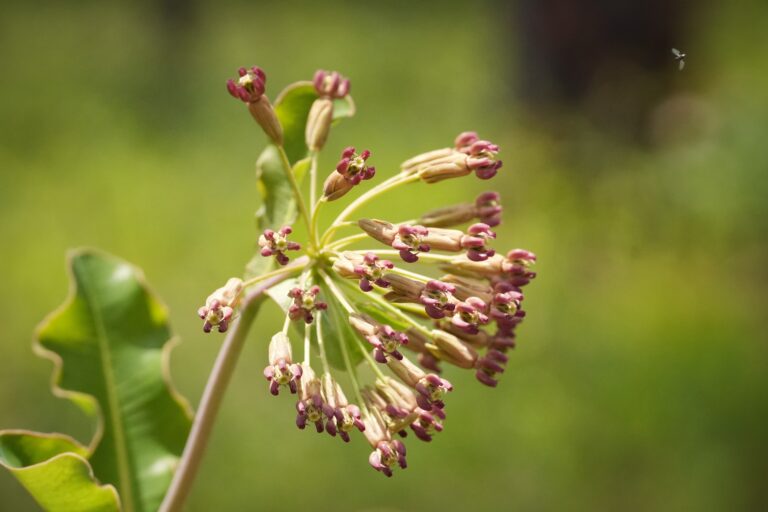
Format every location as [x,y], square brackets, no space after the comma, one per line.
[640,380]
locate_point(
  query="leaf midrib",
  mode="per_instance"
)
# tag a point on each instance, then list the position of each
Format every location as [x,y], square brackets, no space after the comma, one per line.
[123,465]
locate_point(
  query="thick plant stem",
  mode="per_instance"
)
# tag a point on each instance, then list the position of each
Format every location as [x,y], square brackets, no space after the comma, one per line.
[212,397]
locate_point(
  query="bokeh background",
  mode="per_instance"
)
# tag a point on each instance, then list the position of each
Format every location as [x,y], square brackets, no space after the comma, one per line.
[640,381]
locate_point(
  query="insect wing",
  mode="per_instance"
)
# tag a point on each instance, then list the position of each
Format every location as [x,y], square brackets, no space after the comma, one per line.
[681,65]
[676,52]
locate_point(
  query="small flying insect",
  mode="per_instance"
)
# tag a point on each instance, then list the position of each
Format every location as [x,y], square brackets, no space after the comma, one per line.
[679,57]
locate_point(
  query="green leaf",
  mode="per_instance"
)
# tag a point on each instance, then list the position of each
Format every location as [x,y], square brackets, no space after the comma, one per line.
[54,470]
[343,108]
[335,326]
[110,345]
[279,207]
[292,108]
[337,330]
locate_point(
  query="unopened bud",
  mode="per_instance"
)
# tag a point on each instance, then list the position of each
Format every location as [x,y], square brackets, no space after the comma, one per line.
[412,165]
[319,123]
[449,216]
[264,114]
[458,352]
[406,287]
[454,166]
[379,230]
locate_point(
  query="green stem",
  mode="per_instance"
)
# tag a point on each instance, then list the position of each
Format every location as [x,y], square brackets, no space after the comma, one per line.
[344,350]
[340,297]
[295,187]
[321,344]
[315,219]
[213,394]
[425,255]
[338,244]
[392,309]
[313,179]
[383,187]
[285,270]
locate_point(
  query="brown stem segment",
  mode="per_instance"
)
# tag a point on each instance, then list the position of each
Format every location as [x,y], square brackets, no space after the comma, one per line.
[214,393]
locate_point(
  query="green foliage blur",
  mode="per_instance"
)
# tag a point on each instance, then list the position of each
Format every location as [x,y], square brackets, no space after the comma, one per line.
[640,378]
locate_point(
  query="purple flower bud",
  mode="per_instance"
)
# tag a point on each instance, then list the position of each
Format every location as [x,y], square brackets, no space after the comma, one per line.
[489,366]
[386,342]
[281,371]
[475,241]
[372,271]
[505,302]
[330,84]
[488,209]
[250,85]
[342,417]
[386,455]
[517,267]
[438,299]
[276,243]
[464,140]
[470,314]
[429,362]
[220,306]
[310,406]
[430,390]
[428,423]
[353,166]
[305,303]
[409,241]
[481,155]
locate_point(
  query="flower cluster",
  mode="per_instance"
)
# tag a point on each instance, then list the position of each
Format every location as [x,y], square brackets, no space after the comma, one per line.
[460,306]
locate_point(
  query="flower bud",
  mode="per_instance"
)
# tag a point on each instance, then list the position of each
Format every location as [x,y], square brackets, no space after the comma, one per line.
[386,342]
[459,353]
[454,166]
[379,230]
[465,287]
[330,84]
[409,289]
[464,140]
[305,303]
[220,305]
[250,88]
[342,416]
[410,241]
[475,241]
[449,216]
[470,314]
[406,371]
[319,123]
[250,85]
[310,406]
[264,114]
[281,371]
[488,208]
[350,171]
[438,299]
[276,244]
[412,165]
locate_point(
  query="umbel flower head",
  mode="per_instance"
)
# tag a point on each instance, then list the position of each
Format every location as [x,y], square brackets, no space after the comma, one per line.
[416,296]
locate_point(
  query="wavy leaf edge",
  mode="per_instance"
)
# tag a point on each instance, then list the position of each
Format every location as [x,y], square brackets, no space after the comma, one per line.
[58,363]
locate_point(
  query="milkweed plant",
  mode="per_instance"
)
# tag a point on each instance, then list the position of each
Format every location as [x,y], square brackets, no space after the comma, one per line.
[421,294]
